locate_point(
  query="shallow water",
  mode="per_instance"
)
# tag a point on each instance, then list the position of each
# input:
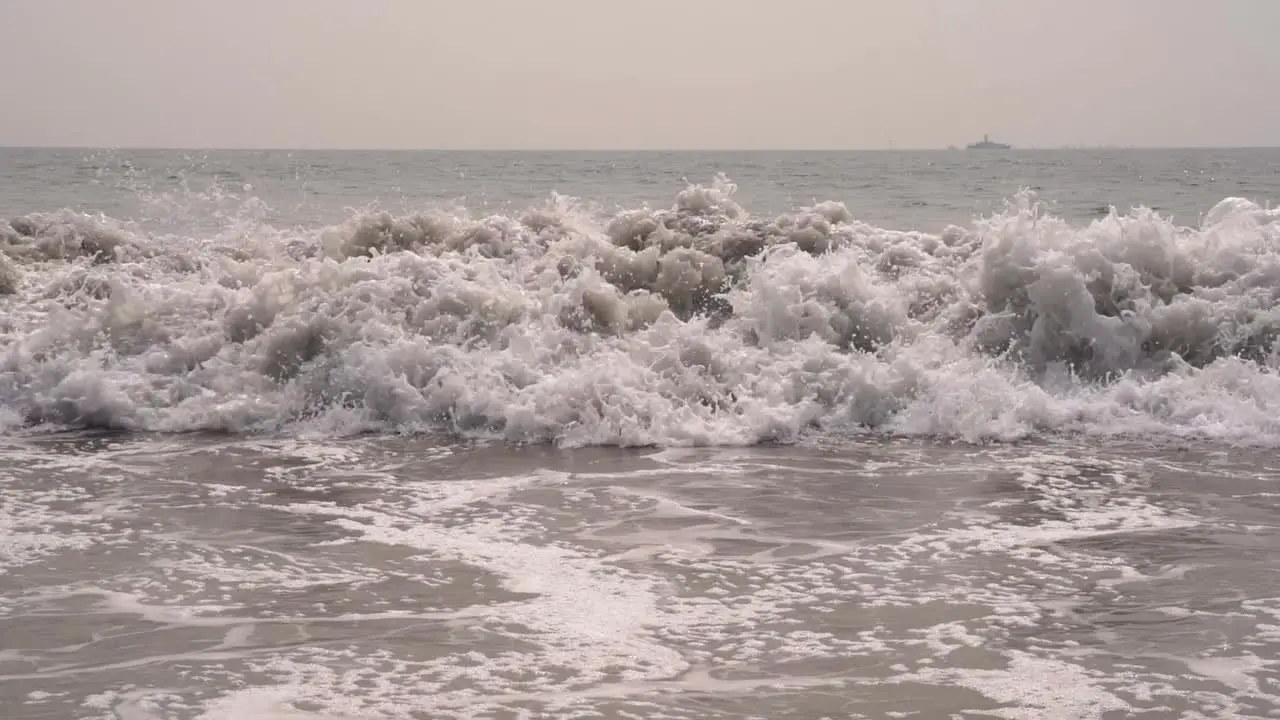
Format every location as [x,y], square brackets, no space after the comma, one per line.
[223,578]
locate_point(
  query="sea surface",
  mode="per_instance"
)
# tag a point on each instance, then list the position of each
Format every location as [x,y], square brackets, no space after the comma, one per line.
[364,435]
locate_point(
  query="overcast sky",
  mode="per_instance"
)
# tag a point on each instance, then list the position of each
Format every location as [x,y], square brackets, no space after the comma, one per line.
[638,73]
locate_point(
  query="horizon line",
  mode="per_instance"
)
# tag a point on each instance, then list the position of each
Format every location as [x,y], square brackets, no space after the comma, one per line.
[956,148]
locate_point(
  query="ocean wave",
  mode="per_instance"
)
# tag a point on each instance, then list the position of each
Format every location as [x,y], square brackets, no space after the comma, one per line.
[695,324]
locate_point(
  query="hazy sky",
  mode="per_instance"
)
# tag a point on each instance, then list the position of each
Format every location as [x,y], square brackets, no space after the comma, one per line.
[638,73]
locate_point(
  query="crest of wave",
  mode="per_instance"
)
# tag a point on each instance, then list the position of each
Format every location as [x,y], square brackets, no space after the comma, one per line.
[695,324]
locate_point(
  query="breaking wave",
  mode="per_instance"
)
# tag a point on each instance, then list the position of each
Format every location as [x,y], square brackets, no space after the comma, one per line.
[697,324]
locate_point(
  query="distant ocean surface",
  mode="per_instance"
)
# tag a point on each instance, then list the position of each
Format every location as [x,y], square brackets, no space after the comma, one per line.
[923,190]
[350,435]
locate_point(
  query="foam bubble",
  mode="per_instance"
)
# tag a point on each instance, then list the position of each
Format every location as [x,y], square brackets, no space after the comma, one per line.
[700,324]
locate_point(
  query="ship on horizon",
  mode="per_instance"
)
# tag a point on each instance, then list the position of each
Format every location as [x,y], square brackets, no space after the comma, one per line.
[986,144]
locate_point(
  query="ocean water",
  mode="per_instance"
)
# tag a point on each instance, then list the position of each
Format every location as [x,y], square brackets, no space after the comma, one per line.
[337,435]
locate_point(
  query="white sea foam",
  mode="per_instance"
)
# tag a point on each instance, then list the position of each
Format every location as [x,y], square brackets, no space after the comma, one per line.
[700,324]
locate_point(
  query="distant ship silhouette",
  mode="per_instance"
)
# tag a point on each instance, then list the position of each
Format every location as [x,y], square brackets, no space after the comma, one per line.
[986,144]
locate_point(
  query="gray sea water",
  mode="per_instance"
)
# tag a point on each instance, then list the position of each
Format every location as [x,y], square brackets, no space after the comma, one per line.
[923,190]
[343,436]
